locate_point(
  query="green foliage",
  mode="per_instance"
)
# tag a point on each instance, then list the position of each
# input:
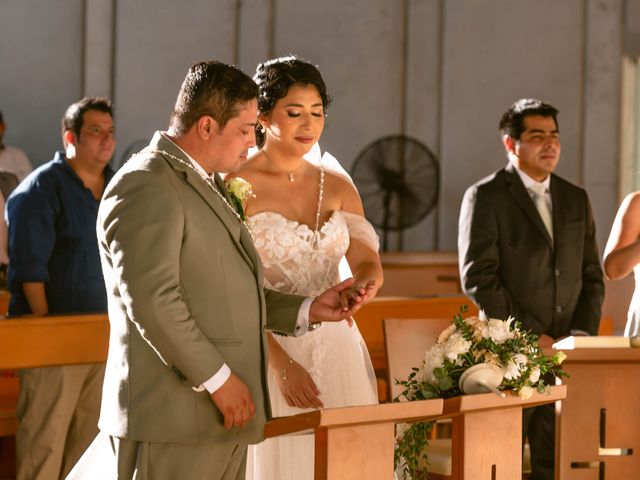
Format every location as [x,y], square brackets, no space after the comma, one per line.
[411,450]
[468,342]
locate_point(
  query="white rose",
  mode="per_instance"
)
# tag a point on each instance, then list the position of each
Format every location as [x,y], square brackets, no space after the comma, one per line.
[534,376]
[456,345]
[499,331]
[511,370]
[433,358]
[446,333]
[525,392]
[520,359]
[240,188]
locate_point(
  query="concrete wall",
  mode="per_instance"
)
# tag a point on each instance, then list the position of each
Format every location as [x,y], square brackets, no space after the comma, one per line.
[439,71]
[41,48]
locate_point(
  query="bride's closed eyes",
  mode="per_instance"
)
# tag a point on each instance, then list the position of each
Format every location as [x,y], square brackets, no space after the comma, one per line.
[294,114]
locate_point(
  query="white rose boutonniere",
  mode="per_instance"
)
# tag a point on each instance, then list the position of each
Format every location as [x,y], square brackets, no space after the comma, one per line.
[239,190]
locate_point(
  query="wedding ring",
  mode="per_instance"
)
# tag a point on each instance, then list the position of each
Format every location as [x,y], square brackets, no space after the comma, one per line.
[313,326]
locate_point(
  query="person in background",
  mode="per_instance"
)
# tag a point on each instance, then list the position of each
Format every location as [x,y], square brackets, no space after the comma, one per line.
[12,159]
[622,255]
[55,269]
[14,166]
[527,249]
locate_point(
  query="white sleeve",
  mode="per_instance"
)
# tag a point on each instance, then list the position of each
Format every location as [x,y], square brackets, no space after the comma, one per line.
[217,380]
[360,229]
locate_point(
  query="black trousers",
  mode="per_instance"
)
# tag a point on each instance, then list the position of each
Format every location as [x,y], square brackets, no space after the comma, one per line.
[539,424]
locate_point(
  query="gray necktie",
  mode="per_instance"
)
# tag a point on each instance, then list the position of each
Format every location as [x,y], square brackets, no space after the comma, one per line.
[538,191]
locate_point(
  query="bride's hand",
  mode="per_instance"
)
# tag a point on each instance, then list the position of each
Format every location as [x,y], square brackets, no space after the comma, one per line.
[358,293]
[297,386]
[331,306]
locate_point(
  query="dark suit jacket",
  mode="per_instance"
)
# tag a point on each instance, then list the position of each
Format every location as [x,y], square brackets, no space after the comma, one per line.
[510,266]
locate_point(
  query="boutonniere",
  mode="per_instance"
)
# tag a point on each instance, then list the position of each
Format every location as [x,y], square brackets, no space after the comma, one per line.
[239,190]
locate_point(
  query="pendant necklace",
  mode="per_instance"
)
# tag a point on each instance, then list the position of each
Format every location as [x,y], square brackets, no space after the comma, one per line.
[288,172]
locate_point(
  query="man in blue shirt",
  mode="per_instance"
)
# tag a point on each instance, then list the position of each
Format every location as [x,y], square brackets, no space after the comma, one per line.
[55,269]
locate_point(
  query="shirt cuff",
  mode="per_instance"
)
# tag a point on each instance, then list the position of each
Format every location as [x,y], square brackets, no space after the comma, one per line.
[218,379]
[302,322]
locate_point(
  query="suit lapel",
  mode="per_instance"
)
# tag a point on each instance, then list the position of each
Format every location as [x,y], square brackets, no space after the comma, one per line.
[522,198]
[556,210]
[205,191]
[245,237]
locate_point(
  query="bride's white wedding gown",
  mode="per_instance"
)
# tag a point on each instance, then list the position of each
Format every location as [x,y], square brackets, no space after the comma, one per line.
[633,317]
[334,355]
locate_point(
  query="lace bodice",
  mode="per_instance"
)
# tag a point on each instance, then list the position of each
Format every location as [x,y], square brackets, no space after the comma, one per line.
[293,262]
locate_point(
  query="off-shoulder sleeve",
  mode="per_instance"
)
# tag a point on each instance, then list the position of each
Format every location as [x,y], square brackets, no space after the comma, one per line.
[360,229]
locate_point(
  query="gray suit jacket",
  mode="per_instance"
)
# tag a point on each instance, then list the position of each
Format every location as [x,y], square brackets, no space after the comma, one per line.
[184,284]
[510,266]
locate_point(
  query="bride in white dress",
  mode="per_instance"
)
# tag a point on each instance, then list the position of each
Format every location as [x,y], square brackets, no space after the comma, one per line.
[304,219]
[622,255]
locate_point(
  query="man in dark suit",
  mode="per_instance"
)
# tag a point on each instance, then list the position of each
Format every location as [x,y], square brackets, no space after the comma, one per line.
[532,255]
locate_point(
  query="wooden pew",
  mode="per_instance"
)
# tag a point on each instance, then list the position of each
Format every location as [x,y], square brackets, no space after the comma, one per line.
[74,339]
[37,342]
[45,341]
[71,339]
[54,340]
[416,274]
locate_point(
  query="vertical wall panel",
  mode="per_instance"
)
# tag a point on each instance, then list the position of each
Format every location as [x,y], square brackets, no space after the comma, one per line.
[603,81]
[40,71]
[255,23]
[357,47]
[98,48]
[423,102]
[156,43]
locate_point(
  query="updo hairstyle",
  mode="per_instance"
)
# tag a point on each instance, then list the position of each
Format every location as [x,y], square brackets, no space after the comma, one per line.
[274,79]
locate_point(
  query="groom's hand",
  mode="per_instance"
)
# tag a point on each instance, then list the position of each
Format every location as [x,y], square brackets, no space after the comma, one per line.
[234,401]
[331,306]
[359,292]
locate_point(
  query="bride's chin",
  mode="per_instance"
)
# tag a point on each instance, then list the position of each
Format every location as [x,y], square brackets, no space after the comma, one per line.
[305,148]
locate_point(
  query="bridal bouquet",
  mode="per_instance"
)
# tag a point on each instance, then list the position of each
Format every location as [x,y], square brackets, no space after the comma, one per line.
[467,342]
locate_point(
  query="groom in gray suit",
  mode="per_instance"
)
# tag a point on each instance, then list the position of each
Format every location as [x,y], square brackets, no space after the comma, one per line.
[185,382]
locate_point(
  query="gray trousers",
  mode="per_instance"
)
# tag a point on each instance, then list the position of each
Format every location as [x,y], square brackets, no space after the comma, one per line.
[166,461]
